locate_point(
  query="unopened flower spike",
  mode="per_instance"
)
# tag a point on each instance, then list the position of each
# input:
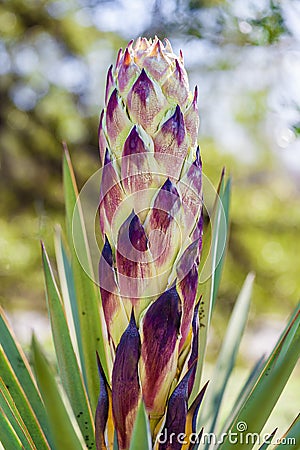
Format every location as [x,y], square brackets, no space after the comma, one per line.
[150,214]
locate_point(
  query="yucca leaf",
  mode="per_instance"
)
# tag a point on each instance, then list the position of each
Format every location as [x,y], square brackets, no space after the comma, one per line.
[245,391]
[23,373]
[8,437]
[21,403]
[264,395]
[141,435]
[67,363]
[268,440]
[221,231]
[12,414]
[210,271]
[87,293]
[67,285]
[59,417]
[226,359]
[292,437]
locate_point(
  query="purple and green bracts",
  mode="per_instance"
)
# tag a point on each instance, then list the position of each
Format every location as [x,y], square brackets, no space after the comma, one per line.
[151,221]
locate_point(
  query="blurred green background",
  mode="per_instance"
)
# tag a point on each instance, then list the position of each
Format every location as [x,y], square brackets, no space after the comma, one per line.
[244,55]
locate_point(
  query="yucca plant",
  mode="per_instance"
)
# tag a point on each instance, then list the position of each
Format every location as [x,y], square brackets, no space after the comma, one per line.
[130,341]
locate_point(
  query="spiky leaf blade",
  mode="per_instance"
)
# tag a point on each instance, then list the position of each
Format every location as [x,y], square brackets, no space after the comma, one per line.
[92,333]
[62,429]
[8,436]
[271,382]
[221,231]
[209,273]
[67,362]
[245,391]
[9,409]
[292,437]
[227,356]
[23,373]
[67,285]
[141,435]
[268,440]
